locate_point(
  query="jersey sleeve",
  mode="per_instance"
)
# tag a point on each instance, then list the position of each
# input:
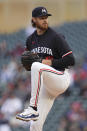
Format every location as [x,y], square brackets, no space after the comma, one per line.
[64,52]
[62,46]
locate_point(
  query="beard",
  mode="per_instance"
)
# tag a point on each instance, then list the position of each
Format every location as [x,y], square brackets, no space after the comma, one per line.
[43,26]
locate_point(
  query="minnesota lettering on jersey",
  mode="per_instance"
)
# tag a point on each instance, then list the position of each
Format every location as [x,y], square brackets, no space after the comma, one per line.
[44,50]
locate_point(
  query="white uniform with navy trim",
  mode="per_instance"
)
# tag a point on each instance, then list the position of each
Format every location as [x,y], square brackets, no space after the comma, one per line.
[46,84]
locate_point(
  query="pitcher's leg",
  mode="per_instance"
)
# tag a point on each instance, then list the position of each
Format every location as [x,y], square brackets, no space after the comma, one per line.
[45,103]
[56,84]
[36,75]
[35,84]
[39,72]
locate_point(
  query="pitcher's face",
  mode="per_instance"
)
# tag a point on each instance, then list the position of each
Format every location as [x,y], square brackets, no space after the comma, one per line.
[41,22]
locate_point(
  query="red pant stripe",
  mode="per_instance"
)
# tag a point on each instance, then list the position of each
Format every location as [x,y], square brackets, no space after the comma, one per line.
[38,89]
[53,71]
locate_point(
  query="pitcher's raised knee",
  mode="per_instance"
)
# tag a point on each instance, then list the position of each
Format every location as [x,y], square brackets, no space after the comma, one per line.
[35,66]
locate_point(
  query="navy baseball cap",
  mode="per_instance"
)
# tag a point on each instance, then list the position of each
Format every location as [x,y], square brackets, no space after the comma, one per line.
[40,11]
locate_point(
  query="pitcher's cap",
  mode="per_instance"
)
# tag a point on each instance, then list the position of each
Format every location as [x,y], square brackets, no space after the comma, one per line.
[40,11]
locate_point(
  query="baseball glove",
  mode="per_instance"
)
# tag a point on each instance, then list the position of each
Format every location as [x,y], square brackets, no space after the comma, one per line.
[27,58]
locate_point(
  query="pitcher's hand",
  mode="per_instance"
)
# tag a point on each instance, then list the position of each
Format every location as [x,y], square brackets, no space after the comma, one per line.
[47,62]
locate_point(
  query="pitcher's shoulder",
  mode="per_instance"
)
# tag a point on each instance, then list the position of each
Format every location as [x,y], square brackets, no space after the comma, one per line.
[56,33]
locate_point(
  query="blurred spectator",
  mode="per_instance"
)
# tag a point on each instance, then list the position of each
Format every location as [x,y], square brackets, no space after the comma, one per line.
[75,119]
[11,106]
[73,127]
[83,89]
[17,51]
[8,72]
[83,121]
[80,76]
[73,114]
[63,124]
[23,88]
[84,65]
[4,124]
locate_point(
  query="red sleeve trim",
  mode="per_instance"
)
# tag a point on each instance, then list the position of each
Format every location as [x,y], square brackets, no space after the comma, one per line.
[70,52]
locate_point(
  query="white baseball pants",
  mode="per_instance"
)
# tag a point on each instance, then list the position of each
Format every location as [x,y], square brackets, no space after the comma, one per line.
[46,84]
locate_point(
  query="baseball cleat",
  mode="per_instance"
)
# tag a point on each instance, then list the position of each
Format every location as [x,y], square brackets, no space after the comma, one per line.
[28,114]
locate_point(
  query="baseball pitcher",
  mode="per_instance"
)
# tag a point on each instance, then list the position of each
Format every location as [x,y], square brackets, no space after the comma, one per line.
[48,57]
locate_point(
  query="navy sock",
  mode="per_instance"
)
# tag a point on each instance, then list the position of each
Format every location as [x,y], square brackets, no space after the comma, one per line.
[35,108]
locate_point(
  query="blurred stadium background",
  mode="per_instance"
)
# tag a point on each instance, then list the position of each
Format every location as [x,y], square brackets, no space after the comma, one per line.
[69,112]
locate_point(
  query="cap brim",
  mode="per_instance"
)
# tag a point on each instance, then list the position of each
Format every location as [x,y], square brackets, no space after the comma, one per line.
[44,15]
[49,14]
